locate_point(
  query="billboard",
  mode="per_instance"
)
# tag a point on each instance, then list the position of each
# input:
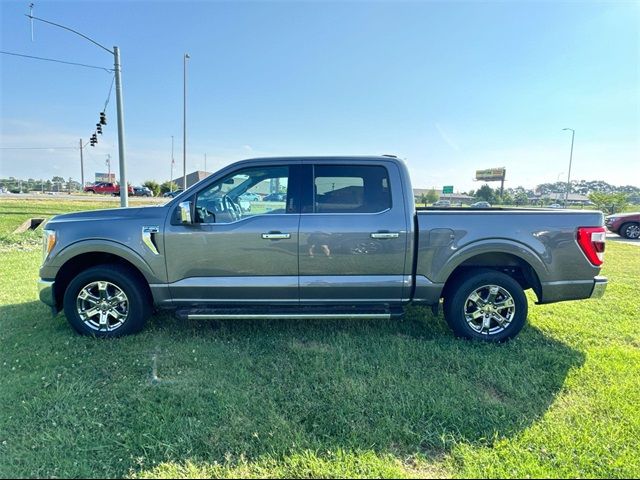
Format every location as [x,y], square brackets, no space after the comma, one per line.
[491,174]
[105,177]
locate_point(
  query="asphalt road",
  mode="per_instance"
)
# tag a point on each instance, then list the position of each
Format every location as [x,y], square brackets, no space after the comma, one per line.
[80,198]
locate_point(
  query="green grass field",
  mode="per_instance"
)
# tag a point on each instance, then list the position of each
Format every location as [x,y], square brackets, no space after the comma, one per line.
[317,398]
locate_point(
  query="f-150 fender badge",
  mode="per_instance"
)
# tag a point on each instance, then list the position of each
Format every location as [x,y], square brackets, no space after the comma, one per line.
[147,238]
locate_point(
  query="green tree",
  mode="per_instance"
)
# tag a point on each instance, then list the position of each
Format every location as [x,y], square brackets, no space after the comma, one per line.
[153,186]
[521,198]
[485,192]
[167,187]
[505,199]
[432,196]
[610,202]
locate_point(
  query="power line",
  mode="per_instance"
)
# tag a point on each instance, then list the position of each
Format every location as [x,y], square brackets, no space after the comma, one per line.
[109,70]
[109,95]
[38,148]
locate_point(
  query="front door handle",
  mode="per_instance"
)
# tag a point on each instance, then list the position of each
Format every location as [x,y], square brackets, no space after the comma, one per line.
[383,235]
[275,236]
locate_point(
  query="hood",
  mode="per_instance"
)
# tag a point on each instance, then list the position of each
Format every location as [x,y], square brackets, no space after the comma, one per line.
[109,214]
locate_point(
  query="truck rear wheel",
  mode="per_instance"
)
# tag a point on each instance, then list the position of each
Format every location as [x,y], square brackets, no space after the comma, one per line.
[487,305]
[106,301]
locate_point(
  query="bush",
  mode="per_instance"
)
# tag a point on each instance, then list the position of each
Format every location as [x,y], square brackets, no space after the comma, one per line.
[610,202]
[153,186]
[167,187]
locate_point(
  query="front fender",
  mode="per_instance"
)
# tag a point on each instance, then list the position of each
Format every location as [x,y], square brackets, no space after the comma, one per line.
[50,269]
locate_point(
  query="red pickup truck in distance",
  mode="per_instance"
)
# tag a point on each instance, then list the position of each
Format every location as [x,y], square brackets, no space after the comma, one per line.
[106,188]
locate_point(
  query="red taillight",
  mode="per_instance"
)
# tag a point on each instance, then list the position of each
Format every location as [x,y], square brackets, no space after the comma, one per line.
[592,242]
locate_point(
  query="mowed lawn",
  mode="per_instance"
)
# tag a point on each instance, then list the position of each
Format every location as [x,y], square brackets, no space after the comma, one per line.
[317,398]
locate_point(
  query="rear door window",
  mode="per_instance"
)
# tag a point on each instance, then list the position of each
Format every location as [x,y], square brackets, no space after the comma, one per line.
[350,189]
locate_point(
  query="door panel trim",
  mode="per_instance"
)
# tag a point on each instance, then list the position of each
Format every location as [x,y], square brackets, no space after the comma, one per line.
[260,289]
[349,288]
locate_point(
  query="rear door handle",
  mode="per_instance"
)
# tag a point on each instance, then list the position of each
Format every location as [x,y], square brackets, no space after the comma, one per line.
[383,235]
[275,236]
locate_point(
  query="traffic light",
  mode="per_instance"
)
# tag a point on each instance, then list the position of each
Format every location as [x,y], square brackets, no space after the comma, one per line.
[103,118]
[93,140]
[99,128]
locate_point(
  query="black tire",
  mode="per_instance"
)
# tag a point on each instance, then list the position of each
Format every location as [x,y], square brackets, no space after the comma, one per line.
[138,305]
[459,309]
[630,230]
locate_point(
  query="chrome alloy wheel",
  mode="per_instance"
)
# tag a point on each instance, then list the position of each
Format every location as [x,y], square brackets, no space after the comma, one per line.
[102,306]
[632,231]
[489,309]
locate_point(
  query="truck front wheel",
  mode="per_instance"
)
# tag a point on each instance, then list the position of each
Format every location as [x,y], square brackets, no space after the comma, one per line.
[487,305]
[106,301]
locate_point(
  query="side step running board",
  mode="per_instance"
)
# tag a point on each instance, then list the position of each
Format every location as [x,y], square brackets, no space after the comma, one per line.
[284,315]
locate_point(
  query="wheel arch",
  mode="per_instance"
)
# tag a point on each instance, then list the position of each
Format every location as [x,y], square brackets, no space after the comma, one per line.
[509,263]
[75,264]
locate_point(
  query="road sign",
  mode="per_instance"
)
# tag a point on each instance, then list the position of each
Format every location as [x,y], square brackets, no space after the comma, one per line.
[447,189]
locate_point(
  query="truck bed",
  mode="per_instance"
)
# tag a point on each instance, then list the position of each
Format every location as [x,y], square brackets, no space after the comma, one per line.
[541,243]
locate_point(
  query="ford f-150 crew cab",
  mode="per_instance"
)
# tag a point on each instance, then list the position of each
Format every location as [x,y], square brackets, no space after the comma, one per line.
[316,237]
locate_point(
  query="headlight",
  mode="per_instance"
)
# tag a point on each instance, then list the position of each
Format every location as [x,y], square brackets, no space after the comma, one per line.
[48,242]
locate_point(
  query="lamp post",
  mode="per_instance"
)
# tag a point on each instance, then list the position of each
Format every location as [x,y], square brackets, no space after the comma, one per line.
[566,198]
[173,162]
[184,125]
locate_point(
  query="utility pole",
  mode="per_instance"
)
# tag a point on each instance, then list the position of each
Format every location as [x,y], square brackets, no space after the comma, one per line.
[566,198]
[31,15]
[108,162]
[173,162]
[81,167]
[124,188]
[184,125]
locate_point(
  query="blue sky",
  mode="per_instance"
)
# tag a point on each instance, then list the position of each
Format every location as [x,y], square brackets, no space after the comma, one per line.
[450,86]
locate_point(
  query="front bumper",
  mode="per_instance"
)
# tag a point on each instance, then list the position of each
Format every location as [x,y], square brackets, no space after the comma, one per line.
[599,286]
[45,292]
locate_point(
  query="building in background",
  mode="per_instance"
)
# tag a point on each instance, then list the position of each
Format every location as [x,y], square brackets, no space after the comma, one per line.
[192,178]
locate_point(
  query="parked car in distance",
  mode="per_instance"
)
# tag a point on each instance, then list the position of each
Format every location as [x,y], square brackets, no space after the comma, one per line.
[442,204]
[275,197]
[346,243]
[250,197]
[142,191]
[172,194]
[480,205]
[627,225]
[555,205]
[106,188]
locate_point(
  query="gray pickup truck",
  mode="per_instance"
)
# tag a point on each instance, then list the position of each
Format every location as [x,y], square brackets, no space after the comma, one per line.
[318,237]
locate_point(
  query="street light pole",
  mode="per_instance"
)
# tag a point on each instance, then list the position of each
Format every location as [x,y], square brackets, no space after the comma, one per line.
[184,125]
[81,166]
[173,162]
[566,198]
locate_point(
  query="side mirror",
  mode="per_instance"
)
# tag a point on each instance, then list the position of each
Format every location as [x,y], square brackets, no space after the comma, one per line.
[185,212]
